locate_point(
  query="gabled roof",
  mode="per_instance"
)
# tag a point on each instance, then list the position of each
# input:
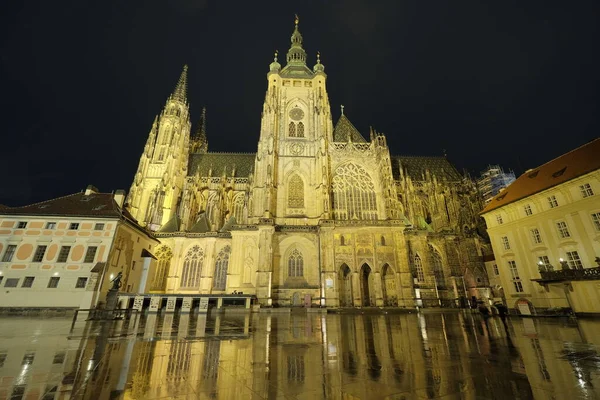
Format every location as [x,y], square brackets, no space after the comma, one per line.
[202,163]
[582,160]
[415,167]
[172,225]
[77,204]
[344,128]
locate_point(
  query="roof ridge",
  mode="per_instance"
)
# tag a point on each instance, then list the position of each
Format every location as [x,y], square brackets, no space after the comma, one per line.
[562,155]
[413,156]
[230,153]
[47,201]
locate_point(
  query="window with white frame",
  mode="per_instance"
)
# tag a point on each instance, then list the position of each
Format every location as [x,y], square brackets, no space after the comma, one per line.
[535,235]
[39,253]
[552,201]
[596,220]
[22,225]
[9,253]
[50,225]
[499,219]
[90,254]
[53,282]
[528,210]
[505,243]
[28,281]
[545,262]
[99,226]
[63,255]
[563,230]
[586,190]
[573,260]
[514,273]
[496,270]
[74,226]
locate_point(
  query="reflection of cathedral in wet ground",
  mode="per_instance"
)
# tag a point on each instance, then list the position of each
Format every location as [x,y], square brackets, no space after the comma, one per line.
[320,214]
[426,355]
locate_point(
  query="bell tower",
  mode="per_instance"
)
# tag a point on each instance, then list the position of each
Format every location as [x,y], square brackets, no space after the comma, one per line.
[159,179]
[292,166]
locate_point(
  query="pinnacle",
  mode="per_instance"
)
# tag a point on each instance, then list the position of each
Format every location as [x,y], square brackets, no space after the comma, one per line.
[180,92]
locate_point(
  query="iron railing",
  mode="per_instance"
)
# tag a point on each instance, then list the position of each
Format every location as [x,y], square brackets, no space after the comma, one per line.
[585,274]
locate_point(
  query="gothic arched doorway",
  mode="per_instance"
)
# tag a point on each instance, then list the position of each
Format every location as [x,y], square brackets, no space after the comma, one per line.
[365,275]
[345,286]
[388,286]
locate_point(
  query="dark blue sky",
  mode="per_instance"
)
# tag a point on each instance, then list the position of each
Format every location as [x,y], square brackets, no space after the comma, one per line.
[508,82]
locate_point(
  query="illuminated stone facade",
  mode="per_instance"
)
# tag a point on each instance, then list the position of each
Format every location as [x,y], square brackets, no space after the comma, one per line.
[317,215]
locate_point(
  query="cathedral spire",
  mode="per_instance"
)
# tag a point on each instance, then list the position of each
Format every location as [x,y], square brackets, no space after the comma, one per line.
[199,142]
[180,92]
[296,54]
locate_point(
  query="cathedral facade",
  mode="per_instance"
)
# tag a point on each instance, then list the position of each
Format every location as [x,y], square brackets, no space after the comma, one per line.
[320,215]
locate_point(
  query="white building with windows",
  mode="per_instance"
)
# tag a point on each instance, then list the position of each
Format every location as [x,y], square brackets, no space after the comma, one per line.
[63,253]
[319,214]
[545,232]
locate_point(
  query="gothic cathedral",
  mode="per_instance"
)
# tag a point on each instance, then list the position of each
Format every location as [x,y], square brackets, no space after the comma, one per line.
[320,215]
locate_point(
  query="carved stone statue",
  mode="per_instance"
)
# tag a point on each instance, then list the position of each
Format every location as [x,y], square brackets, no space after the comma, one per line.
[117,282]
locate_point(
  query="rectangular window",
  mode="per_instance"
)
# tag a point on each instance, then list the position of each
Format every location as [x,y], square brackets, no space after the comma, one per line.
[514,272]
[595,220]
[544,261]
[528,210]
[22,225]
[59,358]
[99,227]
[505,243]
[11,282]
[81,283]
[39,253]
[563,230]
[1,278]
[63,255]
[74,226]
[90,254]
[574,260]
[28,359]
[496,270]
[28,281]
[9,253]
[53,282]
[552,201]
[535,235]
[50,225]
[499,219]
[586,190]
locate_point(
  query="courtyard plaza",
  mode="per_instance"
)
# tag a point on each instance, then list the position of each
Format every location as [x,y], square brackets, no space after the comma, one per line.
[299,355]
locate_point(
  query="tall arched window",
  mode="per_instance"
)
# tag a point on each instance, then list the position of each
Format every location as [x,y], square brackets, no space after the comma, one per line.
[382,240]
[419,268]
[292,130]
[192,268]
[353,194]
[437,265]
[300,130]
[212,210]
[220,278]
[296,192]
[163,255]
[342,241]
[238,208]
[295,264]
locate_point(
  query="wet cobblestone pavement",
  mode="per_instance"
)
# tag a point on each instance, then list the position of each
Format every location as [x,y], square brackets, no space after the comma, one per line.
[432,355]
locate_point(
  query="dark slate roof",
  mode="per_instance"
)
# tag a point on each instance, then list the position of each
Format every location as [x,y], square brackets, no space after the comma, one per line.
[569,166]
[202,163]
[344,128]
[77,204]
[202,225]
[415,167]
[172,225]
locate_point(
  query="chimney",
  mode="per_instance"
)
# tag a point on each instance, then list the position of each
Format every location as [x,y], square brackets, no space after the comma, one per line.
[119,197]
[91,189]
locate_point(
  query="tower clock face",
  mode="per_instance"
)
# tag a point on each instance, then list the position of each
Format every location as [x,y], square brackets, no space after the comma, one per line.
[296,114]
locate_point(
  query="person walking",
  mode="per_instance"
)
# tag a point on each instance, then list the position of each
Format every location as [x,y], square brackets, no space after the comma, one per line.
[502,313]
[485,314]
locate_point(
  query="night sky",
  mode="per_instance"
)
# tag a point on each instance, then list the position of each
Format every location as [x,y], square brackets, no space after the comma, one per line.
[508,82]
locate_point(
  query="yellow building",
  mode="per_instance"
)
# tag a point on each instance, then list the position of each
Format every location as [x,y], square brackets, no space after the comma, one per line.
[545,232]
[54,254]
[319,214]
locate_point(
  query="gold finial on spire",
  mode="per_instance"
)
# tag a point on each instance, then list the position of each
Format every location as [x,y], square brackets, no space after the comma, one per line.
[276,53]
[297,20]
[318,57]
[342,107]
